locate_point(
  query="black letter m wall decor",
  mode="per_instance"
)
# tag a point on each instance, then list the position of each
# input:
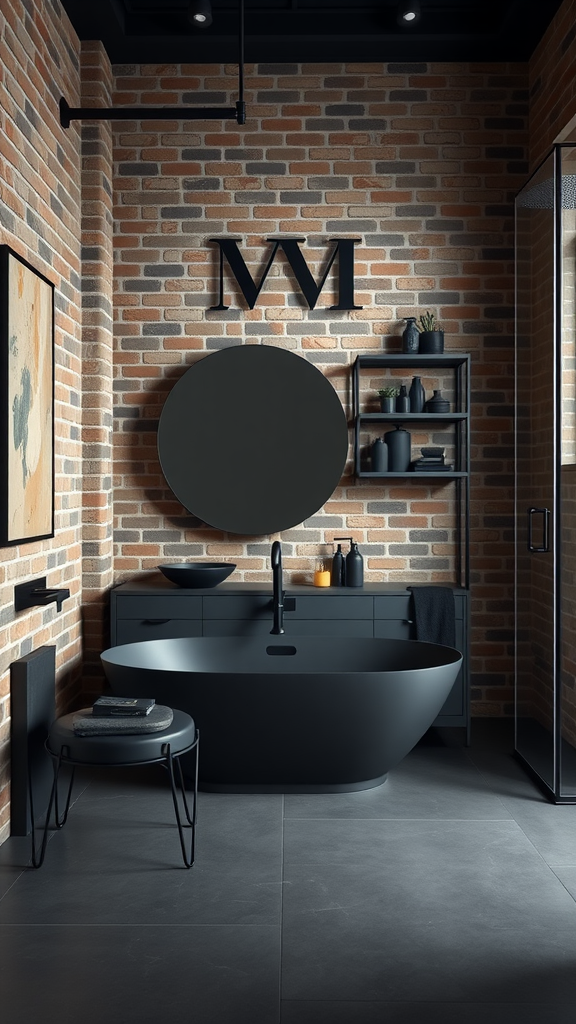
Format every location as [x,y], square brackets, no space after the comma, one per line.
[291,248]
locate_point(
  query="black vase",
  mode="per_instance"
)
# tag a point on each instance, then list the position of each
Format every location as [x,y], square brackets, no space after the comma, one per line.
[410,335]
[403,400]
[399,450]
[379,456]
[416,395]
[437,403]
[432,342]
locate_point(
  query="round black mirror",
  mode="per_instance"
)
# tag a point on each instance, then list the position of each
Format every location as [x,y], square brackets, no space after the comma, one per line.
[253,439]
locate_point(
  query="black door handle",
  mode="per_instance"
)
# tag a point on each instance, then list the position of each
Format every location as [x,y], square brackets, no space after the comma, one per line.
[545,513]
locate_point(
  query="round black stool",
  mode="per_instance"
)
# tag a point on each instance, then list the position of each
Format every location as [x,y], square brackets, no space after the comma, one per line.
[122,750]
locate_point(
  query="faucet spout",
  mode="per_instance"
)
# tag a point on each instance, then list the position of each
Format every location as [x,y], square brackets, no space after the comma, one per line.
[278,599]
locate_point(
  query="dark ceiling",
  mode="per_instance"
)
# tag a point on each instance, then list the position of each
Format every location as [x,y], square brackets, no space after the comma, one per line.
[321,31]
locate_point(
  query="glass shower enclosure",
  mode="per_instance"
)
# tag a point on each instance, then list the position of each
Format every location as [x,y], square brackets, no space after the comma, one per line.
[545,467]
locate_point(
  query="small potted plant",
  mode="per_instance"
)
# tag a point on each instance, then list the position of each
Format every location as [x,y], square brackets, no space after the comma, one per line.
[431,334]
[388,399]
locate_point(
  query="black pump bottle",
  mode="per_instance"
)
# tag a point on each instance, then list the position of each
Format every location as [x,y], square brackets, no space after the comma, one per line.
[354,564]
[337,573]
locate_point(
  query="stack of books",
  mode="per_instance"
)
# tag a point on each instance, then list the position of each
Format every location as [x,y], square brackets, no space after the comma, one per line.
[432,461]
[124,707]
[119,716]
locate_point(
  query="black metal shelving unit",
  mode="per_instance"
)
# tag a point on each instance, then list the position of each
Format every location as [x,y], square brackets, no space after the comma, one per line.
[458,418]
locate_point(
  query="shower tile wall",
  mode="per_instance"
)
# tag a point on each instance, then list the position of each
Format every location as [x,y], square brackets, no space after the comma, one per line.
[418,161]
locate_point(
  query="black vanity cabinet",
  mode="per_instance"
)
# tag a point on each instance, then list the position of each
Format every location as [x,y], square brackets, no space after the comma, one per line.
[138,614]
[309,614]
[157,609]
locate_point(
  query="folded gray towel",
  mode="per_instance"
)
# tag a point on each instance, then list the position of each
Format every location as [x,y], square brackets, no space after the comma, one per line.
[85,723]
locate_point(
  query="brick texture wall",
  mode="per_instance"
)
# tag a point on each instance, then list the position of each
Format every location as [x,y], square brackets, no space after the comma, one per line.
[553,84]
[97,299]
[39,214]
[421,162]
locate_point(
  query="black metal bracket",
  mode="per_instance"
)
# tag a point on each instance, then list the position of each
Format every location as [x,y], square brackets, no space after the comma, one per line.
[68,114]
[236,113]
[35,592]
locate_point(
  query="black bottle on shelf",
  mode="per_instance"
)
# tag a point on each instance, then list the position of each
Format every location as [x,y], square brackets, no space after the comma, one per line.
[354,565]
[379,456]
[399,443]
[416,395]
[337,572]
[403,400]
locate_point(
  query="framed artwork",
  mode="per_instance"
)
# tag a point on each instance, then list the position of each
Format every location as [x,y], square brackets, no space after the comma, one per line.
[26,401]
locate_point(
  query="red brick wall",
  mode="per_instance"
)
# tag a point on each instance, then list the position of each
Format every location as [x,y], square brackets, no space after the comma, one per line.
[419,161]
[97,301]
[553,83]
[39,214]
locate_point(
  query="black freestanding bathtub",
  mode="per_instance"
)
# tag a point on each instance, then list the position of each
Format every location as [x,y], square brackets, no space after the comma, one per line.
[291,714]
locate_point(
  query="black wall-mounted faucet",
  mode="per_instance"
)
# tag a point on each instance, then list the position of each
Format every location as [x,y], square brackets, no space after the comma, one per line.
[278,599]
[35,592]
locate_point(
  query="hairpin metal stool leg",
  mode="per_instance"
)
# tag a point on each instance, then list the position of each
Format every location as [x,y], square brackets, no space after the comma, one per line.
[171,761]
[38,856]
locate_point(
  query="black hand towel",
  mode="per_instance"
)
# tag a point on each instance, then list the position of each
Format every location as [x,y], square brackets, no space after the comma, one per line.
[434,615]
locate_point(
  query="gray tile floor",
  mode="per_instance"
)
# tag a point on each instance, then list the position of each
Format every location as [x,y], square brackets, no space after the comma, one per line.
[448,895]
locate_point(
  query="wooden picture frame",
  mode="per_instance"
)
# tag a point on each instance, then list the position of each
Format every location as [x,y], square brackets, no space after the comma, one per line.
[26,401]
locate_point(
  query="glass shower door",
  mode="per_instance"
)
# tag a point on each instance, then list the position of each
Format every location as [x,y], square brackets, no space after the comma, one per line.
[566,683]
[545,585]
[535,474]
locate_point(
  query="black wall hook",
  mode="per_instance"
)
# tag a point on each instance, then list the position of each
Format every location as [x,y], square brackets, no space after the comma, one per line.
[35,592]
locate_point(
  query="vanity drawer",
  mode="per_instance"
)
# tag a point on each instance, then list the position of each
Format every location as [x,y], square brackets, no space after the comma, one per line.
[393,629]
[238,606]
[397,606]
[237,627]
[330,627]
[158,606]
[294,627]
[333,606]
[132,631]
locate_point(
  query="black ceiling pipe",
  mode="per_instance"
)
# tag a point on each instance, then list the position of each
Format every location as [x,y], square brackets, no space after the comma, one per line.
[236,113]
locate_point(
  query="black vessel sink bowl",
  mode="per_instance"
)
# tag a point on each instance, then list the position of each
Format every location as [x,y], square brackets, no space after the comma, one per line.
[197,574]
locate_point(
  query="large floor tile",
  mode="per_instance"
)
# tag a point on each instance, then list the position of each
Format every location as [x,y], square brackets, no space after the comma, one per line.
[331,1012]
[427,911]
[567,875]
[118,861]
[431,782]
[14,856]
[139,975]
[550,827]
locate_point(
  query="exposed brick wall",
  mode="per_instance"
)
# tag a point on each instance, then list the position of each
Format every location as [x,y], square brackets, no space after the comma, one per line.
[39,214]
[419,161]
[97,298]
[553,83]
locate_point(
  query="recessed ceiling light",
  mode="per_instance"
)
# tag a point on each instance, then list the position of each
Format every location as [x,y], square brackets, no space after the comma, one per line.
[200,13]
[408,12]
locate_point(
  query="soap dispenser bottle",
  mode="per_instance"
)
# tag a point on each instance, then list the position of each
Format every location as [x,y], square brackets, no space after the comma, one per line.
[354,564]
[337,574]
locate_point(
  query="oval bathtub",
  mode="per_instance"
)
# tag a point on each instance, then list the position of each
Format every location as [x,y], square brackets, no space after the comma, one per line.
[293,714]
